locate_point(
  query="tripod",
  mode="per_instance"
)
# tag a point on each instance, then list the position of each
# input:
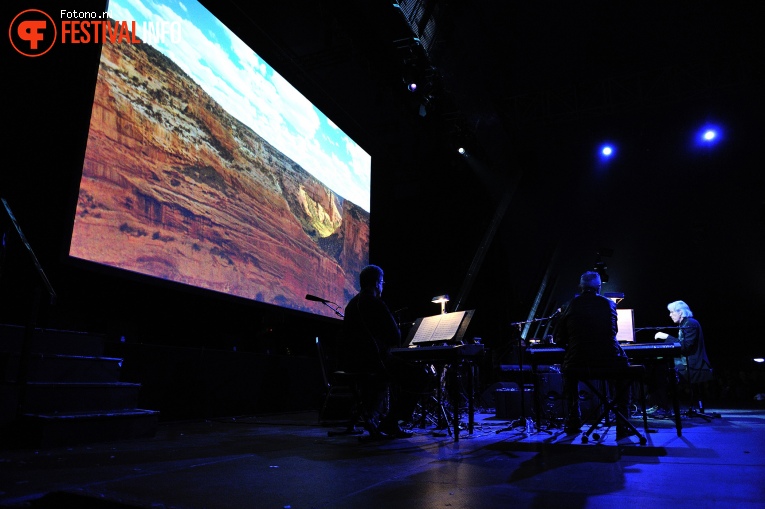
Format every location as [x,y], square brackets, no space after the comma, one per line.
[430,408]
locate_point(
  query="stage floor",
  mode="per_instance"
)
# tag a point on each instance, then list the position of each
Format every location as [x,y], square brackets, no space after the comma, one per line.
[289,461]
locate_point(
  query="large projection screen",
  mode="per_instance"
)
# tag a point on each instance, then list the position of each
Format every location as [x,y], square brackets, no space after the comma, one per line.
[205,167]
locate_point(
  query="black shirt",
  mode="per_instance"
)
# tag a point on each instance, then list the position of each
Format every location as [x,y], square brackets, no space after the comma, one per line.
[587,330]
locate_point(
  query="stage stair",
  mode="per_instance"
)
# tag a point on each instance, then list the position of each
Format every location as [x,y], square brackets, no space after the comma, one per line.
[61,389]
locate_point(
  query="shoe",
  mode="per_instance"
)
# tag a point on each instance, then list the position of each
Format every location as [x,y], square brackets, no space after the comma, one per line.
[393,430]
[652,410]
[373,428]
[572,426]
[397,433]
[662,413]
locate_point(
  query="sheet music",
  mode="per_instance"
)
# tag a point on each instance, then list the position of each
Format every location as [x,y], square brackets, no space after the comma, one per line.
[438,327]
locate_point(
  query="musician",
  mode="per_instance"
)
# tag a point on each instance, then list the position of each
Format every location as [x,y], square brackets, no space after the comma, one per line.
[587,331]
[370,331]
[693,365]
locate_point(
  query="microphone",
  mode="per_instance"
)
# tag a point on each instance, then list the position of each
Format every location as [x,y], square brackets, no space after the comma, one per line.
[315,298]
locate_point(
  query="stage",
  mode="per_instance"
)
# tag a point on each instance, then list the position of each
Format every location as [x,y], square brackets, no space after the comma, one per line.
[289,461]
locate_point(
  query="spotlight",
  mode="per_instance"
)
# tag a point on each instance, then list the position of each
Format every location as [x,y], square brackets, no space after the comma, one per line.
[461,150]
[412,87]
[606,152]
[708,136]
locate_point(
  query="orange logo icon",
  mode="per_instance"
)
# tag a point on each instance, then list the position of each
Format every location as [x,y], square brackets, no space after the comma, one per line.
[32,33]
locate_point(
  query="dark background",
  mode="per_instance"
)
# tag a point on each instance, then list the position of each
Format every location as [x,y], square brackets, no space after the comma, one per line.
[532,89]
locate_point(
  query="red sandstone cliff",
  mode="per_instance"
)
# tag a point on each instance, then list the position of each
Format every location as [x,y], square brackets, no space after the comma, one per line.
[175,187]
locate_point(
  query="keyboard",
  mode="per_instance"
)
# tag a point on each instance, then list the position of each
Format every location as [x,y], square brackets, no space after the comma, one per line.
[635,351]
[448,353]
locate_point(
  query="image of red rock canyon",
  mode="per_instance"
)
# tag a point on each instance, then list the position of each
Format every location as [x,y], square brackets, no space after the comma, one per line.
[176,188]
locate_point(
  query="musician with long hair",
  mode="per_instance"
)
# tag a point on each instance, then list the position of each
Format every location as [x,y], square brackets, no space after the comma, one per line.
[693,365]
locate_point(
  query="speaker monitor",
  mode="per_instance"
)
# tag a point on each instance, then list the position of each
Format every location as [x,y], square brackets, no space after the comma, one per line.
[510,406]
[487,399]
[550,385]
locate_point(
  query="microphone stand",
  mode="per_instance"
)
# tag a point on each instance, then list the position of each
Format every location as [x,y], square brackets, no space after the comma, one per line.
[331,305]
[334,307]
[526,423]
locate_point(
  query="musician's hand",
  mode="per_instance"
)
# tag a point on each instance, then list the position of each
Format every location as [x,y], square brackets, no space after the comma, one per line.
[661,335]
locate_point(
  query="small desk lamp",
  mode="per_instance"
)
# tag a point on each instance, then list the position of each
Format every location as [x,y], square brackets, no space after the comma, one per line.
[441,299]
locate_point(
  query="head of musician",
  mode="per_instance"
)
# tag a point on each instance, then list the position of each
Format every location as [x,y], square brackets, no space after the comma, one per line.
[590,282]
[679,310]
[371,280]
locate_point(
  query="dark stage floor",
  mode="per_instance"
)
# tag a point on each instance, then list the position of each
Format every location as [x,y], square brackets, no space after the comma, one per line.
[289,461]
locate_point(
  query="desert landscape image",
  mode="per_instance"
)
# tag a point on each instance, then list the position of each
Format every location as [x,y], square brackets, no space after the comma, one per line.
[175,187]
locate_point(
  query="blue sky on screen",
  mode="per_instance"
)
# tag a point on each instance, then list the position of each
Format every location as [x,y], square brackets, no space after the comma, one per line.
[250,90]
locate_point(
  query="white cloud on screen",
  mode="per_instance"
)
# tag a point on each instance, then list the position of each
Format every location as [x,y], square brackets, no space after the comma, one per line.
[228,70]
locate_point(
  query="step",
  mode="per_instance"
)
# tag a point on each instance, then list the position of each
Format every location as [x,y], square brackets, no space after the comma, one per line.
[62,368]
[55,430]
[52,341]
[65,398]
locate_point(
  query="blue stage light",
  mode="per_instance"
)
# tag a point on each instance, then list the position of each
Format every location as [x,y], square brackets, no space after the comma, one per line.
[606,152]
[708,136]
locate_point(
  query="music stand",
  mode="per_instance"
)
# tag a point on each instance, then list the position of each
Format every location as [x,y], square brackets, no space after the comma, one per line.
[449,329]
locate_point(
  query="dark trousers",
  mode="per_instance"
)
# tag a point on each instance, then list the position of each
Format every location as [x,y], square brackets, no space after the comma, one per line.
[571,395]
[409,382]
[658,385]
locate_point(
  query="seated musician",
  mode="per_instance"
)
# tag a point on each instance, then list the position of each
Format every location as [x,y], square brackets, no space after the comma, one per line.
[369,332]
[587,331]
[693,366]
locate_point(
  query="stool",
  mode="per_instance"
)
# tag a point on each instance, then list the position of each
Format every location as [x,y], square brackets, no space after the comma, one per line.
[345,385]
[351,384]
[633,373]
